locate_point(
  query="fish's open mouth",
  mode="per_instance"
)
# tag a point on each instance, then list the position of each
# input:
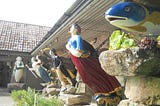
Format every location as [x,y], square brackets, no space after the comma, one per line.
[111,18]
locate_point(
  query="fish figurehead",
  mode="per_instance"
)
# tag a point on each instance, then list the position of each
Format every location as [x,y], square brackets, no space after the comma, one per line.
[134,17]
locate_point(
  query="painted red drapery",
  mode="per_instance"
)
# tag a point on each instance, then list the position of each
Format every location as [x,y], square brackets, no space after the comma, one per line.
[94,76]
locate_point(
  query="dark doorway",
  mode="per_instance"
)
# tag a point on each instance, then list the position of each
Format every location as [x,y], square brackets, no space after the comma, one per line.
[5,74]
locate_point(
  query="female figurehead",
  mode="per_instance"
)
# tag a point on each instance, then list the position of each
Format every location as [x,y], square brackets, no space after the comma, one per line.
[106,88]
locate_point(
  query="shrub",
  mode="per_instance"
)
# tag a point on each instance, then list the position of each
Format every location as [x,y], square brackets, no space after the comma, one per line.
[33,98]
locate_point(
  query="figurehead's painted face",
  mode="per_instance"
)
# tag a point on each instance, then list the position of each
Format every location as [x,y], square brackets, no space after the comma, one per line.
[52,52]
[75,29]
[72,30]
[33,59]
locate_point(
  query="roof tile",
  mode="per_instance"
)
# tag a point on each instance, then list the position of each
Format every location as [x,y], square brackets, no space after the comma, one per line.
[21,37]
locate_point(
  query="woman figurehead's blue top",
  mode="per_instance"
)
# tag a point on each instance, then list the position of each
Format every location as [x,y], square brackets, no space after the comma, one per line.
[76,43]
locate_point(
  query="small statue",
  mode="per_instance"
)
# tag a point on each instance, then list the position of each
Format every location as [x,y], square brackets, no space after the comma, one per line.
[18,69]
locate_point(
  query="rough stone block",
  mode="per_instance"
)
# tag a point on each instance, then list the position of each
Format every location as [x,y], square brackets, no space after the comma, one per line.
[131,62]
[143,89]
[129,103]
[73,100]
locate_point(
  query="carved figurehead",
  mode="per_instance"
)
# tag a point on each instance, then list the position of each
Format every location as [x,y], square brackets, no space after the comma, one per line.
[19,68]
[135,17]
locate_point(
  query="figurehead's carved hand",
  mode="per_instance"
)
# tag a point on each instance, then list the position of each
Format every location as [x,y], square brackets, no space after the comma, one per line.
[67,46]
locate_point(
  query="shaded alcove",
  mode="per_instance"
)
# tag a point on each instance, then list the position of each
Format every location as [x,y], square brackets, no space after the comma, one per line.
[5,74]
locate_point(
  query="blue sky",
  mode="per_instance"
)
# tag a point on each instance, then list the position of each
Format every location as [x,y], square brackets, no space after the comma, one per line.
[38,12]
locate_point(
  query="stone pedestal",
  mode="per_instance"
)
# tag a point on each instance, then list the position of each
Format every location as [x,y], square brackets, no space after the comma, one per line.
[143,89]
[73,100]
[15,86]
[51,90]
[83,95]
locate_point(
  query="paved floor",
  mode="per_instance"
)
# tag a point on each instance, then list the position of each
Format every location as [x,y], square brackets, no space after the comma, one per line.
[5,98]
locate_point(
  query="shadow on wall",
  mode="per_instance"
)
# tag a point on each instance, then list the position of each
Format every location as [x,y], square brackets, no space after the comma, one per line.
[32,81]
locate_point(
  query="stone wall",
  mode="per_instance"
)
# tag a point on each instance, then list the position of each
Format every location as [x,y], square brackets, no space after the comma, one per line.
[139,71]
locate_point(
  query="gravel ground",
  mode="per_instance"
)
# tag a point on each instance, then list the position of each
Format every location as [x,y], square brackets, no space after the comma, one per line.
[5,98]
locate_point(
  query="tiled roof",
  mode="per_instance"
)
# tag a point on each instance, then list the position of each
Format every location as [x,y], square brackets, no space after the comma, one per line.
[20,36]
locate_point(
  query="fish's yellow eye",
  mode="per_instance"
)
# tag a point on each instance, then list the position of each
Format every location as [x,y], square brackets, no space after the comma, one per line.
[127,9]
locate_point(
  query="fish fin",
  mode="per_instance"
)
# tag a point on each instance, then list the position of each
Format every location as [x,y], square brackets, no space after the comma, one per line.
[138,28]
[154,17]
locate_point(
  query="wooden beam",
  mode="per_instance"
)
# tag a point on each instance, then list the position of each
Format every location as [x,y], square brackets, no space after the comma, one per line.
[6,55]
[10,53]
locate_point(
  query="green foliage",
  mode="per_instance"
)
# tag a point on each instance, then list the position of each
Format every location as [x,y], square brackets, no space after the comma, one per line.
[33,98]
[119,40]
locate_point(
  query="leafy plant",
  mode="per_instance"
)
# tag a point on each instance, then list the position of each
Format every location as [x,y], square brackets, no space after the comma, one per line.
[33,98]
